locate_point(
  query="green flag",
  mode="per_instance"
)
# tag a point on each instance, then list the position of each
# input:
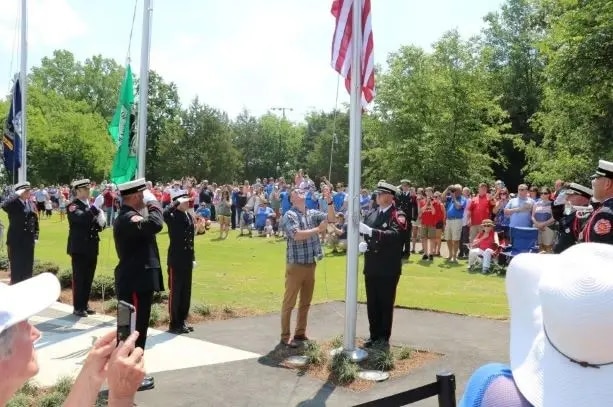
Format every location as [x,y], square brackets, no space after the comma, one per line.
[122,132]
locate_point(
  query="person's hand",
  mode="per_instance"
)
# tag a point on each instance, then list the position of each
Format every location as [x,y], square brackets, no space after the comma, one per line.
[96,363]
[126,369]
[322,226]
[194,264]
[148,196]
[362,247]
[365,229]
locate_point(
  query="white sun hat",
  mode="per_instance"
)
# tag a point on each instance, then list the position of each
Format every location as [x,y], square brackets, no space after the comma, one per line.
[23,300]
[562,326]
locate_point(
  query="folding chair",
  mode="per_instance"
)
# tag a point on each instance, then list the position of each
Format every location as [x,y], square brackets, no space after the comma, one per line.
[523,240]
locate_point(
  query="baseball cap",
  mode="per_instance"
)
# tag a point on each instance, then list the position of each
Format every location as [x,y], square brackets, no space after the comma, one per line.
[23,300]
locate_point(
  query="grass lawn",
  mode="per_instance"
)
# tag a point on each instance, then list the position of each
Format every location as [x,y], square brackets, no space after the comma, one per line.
[249,273]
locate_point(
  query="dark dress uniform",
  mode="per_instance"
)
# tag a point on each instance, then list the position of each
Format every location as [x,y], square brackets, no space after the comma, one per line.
[180,264]
[83,242]
[382,268]
[138,274]
[598,226]
[21,235]
[407,204]
[569,228]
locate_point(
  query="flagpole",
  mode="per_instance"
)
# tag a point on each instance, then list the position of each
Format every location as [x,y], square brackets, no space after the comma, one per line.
[23,170]
[144,87]
[355,148]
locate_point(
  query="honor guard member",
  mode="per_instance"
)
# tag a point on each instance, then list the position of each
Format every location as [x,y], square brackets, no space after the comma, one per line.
[85,221]
[22,232]
[598,226]
[407,204]
[569,210]
[138,274]
[181,260]
[384,232]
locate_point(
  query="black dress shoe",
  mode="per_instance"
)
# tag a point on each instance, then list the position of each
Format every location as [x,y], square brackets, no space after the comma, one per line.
[79,313]
[147,384]
[150,378]
[188,327]
[90,311]
[179,330]
[368,343]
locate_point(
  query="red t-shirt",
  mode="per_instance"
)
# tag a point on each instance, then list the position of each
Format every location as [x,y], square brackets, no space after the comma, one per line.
[488,243]
[480,209]
[430,217]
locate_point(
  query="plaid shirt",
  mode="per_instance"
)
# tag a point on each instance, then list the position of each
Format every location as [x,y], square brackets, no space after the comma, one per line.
[302,251]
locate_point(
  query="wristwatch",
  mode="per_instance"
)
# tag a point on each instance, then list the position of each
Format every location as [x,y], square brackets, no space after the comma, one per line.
[330,203]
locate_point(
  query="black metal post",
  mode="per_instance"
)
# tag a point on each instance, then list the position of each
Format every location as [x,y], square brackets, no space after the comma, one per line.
[446,393]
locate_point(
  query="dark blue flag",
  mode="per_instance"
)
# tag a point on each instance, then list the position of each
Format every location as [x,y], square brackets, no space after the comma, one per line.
[11,137]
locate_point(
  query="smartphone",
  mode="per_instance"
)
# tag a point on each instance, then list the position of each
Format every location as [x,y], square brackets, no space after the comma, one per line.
[126,320]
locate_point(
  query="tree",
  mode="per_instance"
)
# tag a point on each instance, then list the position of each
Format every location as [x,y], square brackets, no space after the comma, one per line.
[325,129]
[163,114]
[515,68]
[439,123]
[576,118]
[65,140]
[94,82]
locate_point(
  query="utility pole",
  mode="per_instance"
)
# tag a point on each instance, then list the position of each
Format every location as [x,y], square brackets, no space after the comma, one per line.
[282,109]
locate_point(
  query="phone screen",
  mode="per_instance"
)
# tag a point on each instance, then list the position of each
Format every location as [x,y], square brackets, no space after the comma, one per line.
[126,320]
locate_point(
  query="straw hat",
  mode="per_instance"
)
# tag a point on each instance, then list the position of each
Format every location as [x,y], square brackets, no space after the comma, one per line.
[487,222]
[562,326]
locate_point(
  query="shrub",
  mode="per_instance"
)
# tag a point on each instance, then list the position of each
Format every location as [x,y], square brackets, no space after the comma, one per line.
[343,368]
[228,310]
[160,297]
[63,386]
[314,354]
[405,353]
[65,277]
[45,267]
[337,342]
[158,315]
[54,399]
[29,389]
[21,400]
[103,287]
[109,306]
[201,309]
[4,262]
[381,359]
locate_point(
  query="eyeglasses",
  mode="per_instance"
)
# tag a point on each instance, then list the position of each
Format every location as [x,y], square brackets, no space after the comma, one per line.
[487,226]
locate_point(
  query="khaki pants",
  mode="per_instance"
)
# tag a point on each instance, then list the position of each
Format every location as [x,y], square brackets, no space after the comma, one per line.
[299,278]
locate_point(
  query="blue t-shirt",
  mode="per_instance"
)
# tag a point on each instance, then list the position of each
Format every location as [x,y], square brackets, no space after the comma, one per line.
[338,199]
[311,201]
[285,202]
[205,212]
[364,202]
[261,214]
[235,198]
[523,218]
[452,211]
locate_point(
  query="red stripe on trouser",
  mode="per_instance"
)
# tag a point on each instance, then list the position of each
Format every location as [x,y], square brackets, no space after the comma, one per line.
[135,301]
[170,278]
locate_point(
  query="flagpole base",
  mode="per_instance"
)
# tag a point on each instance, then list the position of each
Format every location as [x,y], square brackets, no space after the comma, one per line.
[356,355]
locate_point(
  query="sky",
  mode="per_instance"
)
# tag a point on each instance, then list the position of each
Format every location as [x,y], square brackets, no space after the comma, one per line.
[232,54]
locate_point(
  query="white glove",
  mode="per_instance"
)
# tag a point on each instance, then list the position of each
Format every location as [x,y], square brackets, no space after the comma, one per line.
[365,229]
[362,247]
[148,196]
[194,263]
[101,218]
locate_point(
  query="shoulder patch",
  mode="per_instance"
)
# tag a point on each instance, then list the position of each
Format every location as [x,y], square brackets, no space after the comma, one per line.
[402,219]
[136,218]
[72,207]
[602,227]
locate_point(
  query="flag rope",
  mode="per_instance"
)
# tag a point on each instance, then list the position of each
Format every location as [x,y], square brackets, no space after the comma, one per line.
[131,32]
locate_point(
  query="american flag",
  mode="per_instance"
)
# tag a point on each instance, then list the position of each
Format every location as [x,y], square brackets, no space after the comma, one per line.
[342,10]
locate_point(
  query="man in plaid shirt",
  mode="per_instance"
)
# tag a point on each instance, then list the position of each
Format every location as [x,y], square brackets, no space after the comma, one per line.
[302,228]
